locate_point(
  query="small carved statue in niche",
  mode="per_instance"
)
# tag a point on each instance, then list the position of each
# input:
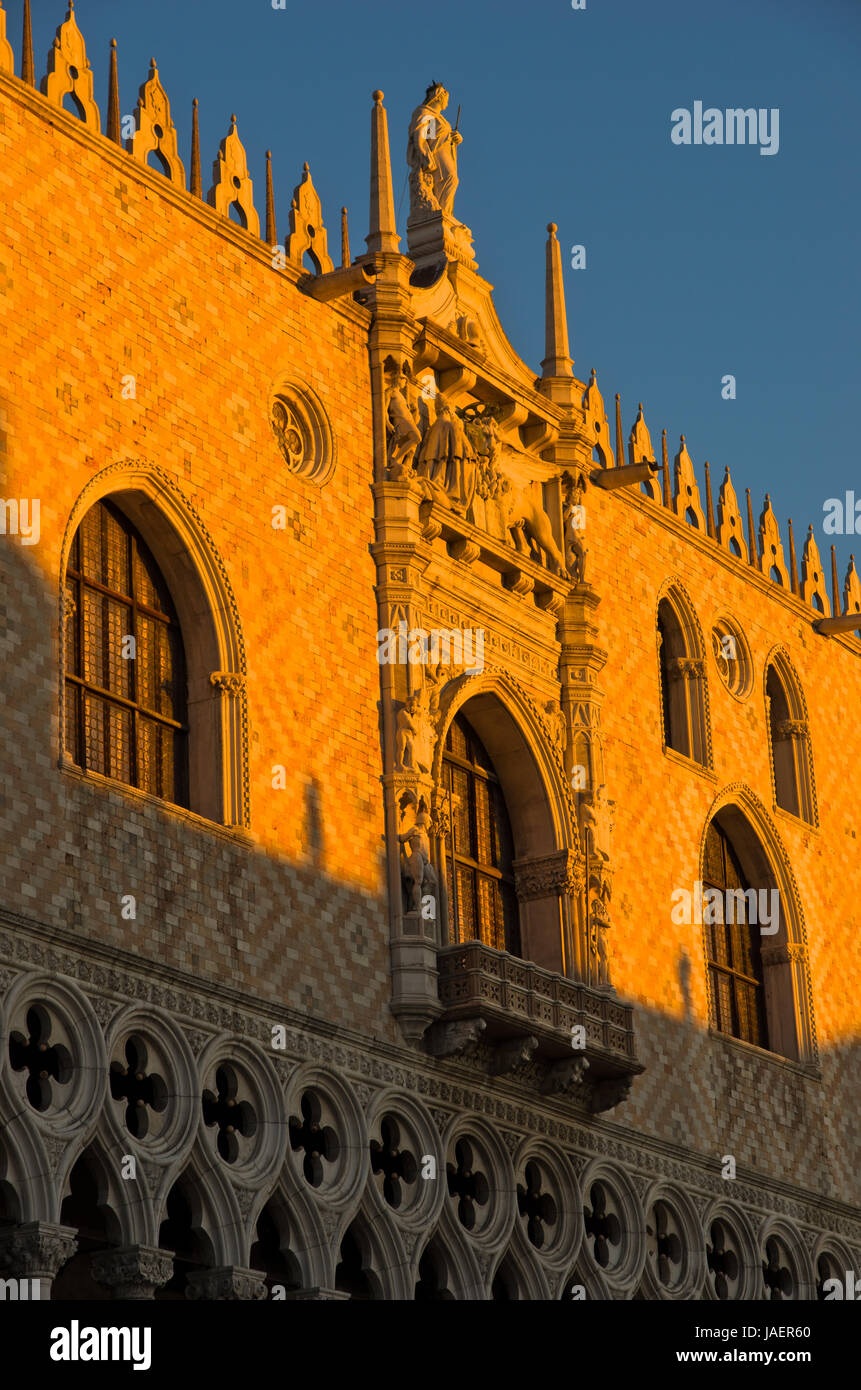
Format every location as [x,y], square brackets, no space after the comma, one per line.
[596,817]
[556,725]
[574,515]
[432,154]
[599,924]
[406,733]
[402,430]
[416,867]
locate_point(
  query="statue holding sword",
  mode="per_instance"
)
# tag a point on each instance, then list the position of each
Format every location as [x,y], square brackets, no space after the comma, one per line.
[432,153]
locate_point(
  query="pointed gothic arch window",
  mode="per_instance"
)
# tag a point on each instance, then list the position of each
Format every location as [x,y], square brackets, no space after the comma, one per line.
[789,740]
[683,685]
[736,977]
[479,849]
[125,661]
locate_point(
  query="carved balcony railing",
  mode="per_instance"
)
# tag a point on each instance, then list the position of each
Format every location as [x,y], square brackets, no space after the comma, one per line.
[527,1013]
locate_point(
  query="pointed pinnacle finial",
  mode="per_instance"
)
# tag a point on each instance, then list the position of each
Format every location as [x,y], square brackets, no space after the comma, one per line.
[620,457]
[557,357]
[345,240]
[793,565]
[382,235]
[835,584]
[751,534]
[28,71]
[710,511]
[113,130]
[665,469]
[271,231]
[195,185]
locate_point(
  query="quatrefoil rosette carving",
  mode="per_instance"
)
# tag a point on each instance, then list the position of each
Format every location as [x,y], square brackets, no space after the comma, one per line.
[302,430]
[733,1270]
[480,1200]
[675,1259]
[151,1070]
[241,1121]
[54,1065]
[549,1205]
[327,1140]
[786,1272]
[830,1258]
[614,1239]
[402,1136]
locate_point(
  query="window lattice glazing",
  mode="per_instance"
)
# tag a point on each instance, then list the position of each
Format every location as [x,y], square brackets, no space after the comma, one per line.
[479,849]
[125,670]
[735,965]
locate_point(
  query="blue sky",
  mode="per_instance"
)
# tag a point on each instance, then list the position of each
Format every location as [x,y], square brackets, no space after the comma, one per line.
[701,260]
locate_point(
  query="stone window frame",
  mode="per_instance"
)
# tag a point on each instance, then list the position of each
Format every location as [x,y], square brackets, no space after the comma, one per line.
[217,713]
[786,971]
[790,763]
[683,685]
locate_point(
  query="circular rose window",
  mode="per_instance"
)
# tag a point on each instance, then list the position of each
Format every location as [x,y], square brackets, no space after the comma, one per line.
[302,431]
[732,658]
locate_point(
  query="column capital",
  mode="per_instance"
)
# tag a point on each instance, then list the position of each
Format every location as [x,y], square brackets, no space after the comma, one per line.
[135,1271]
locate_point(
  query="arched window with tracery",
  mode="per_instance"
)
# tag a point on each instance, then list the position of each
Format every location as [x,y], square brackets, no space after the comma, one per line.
[125,664]
[479,848]
[789,737]
[733,947]
[684,712]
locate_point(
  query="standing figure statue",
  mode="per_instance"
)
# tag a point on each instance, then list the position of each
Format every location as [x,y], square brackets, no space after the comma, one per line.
[447,459]
[416,867]
[432,154]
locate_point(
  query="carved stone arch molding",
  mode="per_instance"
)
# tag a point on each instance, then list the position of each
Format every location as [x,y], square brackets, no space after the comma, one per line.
[236,1076]
[462,1271]
[789,1268]
[481,1202]
[169,1062]
[549,1206]
[327,1154]
[614,1241]
[402,1135]
[830,1258]
[788,989]
[44,1012]
[209,619]
[300,1226]
[733,1269]
[26,1167]
[548,859]
[689,687]
[519,1269]
[128,1198]
[675,1255]
[215,1207]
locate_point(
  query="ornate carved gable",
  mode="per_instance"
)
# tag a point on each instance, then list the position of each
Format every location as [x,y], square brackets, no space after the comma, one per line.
[771,546]
[686,497]
[69,71]
[231,184]
[307,232]
[813,576]
[730,526]
[154,129]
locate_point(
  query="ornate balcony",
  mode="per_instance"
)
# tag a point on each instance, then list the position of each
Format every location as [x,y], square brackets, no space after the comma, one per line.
[527,1014]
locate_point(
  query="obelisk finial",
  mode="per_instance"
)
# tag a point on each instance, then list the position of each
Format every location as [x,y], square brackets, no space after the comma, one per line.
[557,360]
[113,130]
[382,236]
[271,230]
[28,71]
[195,184]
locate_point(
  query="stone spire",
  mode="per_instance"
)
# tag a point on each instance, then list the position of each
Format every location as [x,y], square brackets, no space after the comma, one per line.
[665,469]
[710,511]
[196,186]
[383,234]
[557,361]
[751,539]
[793,566]
[113,130]
[271,229]
[835,583]
[345,241]
[28,71]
